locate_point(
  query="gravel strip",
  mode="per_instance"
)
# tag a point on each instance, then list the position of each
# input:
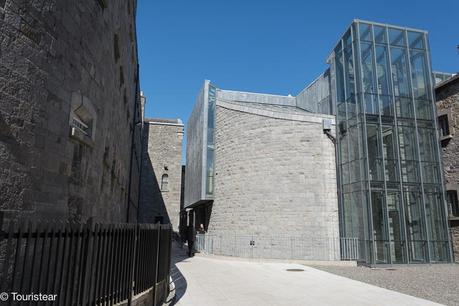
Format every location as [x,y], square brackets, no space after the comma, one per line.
[437,283]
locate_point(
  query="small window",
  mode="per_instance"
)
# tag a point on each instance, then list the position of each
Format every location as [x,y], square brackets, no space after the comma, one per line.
[451,196]
[165,182]
[83,127]
[116,48]
[82,119]
[444,125]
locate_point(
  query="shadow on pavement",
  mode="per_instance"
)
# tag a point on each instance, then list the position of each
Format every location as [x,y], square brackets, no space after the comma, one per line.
[179,254]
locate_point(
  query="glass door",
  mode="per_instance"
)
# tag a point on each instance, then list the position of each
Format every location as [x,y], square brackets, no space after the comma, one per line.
[380,239]
[417,244]
[396,237]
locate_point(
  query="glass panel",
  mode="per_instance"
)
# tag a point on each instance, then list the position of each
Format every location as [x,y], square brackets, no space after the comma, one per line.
[351,110]
[369,82]
[408,154]
[414,228]
[371,104]
[390,154]
[404,107]
[365,31]
[436,226]
[354,145]
[416,40]
[349,72]
[423,109]
[359,222]
[382,70]
[396,37]
[345,173]
[353,215]
[354,168]
[338,47]
[347,215]
[429,156]
[430,124]
[379,231]
[380,34]
[374,152]
[430,172]
[339,77]
[387,108]
[341,115]
[344,156]
[400,76]
[419,75]
[395,229]
[427,144]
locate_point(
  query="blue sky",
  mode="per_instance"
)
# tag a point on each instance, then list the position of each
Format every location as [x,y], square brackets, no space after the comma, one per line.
[270,46]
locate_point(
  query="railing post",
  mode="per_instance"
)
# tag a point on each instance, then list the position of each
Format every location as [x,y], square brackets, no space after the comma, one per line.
[87,259]
[155,293]
[134,258]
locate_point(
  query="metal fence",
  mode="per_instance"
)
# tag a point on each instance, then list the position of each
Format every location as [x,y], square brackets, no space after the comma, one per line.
[350,248]
[85,264]
[278,247]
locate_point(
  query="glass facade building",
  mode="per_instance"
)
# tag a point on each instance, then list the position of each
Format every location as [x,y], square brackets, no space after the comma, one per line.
[390,184]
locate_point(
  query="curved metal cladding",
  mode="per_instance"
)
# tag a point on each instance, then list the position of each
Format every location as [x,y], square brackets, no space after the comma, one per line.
[194,152]
[389,167]
[200,147]
[210,148]
[316,96]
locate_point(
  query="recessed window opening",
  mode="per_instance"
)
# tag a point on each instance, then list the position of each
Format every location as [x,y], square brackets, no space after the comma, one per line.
[165,182]
[451,196]
[444,125]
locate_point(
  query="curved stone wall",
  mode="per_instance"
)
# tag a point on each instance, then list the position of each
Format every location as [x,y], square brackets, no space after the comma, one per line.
[275,176]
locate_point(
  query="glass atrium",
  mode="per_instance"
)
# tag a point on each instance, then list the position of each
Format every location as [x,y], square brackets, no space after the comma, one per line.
[390,176]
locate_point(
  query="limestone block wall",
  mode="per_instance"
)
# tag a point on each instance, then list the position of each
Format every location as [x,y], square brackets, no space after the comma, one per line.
[58,59]
[448,104]
[161,185]
[275,177]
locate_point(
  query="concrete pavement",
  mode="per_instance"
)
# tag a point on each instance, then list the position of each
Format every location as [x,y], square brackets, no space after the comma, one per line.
[207,281]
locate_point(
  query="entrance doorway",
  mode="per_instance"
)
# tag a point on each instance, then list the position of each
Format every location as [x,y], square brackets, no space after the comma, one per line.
[388,238]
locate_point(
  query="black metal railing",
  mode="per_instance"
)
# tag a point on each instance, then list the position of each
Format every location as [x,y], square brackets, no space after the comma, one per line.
[85,264]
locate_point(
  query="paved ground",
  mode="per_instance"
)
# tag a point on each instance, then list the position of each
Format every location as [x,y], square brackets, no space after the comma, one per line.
[204,281]
[439,283]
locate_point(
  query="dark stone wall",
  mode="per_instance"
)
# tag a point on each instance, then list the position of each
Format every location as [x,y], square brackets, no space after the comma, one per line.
[448,104]
[60,59]
[162,156]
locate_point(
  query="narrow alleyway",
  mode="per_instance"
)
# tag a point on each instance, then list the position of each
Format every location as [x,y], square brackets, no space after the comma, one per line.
[206,281]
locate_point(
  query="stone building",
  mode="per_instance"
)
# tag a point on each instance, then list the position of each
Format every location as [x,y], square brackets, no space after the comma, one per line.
[161,176]
[70,110]
[447,95]
[265,166]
